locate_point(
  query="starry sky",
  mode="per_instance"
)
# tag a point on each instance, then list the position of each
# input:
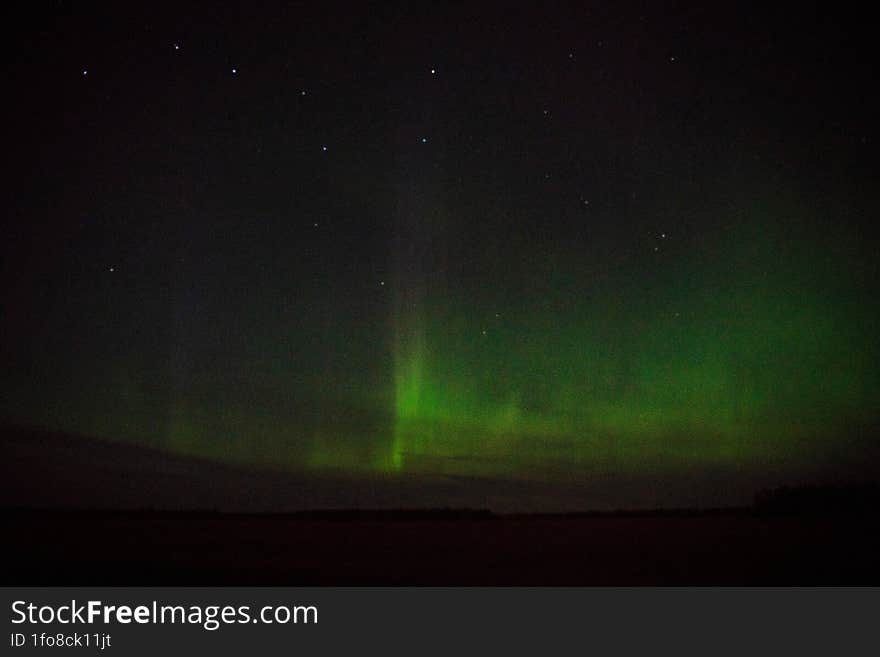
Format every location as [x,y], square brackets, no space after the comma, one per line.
[541,242]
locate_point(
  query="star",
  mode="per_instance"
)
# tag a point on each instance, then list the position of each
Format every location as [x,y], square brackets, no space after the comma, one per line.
[112,269]
[235,71]
[177,46]
[424,140]
[324,148]
[433,71]
[382,283]
[85,72]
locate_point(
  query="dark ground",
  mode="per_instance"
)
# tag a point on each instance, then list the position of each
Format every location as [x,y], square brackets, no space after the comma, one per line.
[173,548]
[74,515]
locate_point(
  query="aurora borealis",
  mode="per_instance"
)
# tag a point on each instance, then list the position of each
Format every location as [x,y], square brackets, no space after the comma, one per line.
[548,246]
[754,348]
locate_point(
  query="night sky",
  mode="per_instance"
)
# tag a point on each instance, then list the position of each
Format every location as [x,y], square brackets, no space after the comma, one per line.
[522,243]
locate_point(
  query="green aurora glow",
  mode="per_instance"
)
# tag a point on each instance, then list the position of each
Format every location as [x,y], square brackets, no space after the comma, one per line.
[757,347]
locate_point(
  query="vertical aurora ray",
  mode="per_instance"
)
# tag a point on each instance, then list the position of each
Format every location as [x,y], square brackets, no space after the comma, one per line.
[409,365]
[414,247]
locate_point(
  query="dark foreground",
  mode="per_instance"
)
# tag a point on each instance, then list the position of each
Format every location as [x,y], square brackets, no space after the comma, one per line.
[431,548]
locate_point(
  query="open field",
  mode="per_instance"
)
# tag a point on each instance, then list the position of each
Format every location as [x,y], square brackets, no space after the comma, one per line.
[166,548]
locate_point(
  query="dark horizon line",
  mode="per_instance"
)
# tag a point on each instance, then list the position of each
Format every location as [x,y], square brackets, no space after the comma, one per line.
[429,513]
